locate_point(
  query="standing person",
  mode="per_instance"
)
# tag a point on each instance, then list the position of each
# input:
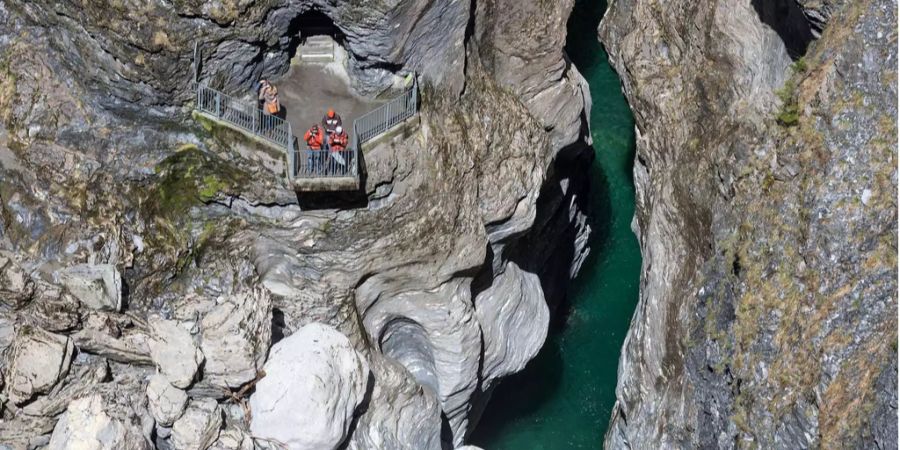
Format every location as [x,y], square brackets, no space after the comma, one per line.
[270,100]
[331,121]
[315,139]
[337,143]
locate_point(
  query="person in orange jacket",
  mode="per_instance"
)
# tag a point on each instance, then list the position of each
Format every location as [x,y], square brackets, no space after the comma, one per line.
[338,140]
[315,139]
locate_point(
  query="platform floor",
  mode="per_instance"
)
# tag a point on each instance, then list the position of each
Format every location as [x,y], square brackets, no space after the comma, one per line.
[309,89]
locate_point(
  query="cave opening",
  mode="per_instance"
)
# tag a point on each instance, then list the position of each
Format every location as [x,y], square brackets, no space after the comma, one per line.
[787,19]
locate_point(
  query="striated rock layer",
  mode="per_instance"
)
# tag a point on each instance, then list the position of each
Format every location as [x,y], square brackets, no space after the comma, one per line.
[172,257]
[767,217]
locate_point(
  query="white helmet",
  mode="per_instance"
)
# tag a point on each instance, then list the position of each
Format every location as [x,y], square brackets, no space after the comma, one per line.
[339,129]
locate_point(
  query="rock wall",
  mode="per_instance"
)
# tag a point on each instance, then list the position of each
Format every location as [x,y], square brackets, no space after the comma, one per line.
[167,270]
[767,218]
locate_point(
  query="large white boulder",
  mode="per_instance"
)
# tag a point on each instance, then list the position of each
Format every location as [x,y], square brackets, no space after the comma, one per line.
[88,425]
[199,426]
[314,382]
[173,350]
[97,286]
[236,335]
[165,402]
[39,359]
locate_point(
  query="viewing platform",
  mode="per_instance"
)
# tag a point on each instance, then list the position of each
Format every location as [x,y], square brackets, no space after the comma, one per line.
[306,93]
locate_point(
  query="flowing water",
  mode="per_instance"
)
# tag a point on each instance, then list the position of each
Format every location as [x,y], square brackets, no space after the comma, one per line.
[564,397]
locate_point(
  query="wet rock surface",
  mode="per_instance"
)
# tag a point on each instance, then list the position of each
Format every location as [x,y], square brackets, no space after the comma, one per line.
[766,210]
[160,252]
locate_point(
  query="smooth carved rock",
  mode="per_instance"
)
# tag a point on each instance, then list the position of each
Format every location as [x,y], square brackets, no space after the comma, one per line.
[96,286]
[514,319]
[166,402]
[88,424]
[16,286]
[199,426]
[173,350]
[39,360]
[314,382]
[235,338]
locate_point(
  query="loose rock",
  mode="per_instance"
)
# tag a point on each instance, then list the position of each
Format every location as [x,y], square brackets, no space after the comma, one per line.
[16,287]
[199,427]
[166,401]
[173,350]
[39,360]
[87,425]
[235,338]
[96,286]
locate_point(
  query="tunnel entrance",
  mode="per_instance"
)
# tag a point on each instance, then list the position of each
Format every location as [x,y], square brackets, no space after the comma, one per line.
[318,39]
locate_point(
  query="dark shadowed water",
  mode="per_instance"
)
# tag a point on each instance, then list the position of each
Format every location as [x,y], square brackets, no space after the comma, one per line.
[563,399]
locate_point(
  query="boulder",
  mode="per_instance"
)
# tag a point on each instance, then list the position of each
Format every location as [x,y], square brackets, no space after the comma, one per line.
[87,424]
[235,338]
[233,439]
[166,402]
[173,350]
[38,361]
[199,426]
[97,286]
[16,286]
[314,382]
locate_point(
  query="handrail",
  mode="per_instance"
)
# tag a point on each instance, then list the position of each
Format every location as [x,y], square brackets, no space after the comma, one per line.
[318,164]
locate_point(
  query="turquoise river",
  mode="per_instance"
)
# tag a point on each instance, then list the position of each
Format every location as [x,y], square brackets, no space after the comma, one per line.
[563,398]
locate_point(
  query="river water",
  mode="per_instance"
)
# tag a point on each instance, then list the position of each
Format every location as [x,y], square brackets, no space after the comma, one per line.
[563,398]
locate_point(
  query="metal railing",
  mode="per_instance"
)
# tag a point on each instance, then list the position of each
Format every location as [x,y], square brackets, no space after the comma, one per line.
[308,163]
[386,116]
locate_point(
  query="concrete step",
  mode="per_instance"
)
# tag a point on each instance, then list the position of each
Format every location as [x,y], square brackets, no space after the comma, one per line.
[317,49]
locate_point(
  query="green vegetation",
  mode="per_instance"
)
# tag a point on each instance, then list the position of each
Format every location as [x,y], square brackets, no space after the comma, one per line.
[188,178]
[789,115]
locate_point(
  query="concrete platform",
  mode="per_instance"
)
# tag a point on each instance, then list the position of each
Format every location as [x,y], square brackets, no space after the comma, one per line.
[309,89]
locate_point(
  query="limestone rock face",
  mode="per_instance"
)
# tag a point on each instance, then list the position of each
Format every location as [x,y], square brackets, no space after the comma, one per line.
[173,350]
[16,287]
[235,338]
[96,286]
[314,382]
[38,361]
[198,427]
[87,425]
[166,402]
[766,212]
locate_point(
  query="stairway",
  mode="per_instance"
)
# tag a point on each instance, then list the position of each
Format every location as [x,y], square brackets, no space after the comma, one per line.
[317,49]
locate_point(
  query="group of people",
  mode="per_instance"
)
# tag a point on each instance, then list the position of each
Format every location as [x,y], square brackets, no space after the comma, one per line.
[325,142]
[329,135]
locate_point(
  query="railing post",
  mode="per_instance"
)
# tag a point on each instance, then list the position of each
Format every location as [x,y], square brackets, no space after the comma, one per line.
[290,153]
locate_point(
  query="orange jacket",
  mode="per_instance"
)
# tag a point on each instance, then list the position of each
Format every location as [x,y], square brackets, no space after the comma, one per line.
[313,138]
[338,142]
